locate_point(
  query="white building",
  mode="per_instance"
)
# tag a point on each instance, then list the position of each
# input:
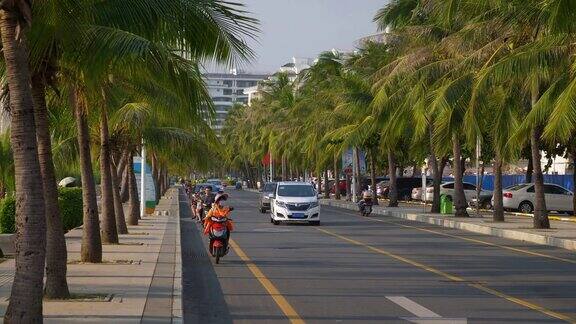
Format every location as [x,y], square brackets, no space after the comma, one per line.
[291,69]
[226,89]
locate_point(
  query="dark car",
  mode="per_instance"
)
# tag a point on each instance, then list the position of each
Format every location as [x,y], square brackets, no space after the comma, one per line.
[404,187]
[267,189]
[200,187]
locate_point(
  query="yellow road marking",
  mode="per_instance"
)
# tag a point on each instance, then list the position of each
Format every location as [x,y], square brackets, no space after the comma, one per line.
[422,266]
[469,239]
[284,305]
[477,241]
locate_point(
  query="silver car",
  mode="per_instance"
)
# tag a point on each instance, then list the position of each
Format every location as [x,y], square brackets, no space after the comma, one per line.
[522,197]
[267,189]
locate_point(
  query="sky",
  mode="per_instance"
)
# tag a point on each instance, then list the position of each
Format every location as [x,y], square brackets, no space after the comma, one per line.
[305,28]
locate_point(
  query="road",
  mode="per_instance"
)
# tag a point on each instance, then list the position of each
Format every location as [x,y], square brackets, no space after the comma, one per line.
[370,270]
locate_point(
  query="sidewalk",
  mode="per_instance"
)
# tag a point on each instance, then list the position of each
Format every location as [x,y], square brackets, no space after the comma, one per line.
[562,234]
[137,282]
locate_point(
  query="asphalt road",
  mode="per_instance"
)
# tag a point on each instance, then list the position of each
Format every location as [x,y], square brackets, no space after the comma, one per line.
[370,270]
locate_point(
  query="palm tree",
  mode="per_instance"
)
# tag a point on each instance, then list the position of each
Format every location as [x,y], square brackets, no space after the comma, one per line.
[56,254]
[26,296]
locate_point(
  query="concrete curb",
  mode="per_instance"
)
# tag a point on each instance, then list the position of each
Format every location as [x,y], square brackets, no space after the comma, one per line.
[542,239]
[177,285]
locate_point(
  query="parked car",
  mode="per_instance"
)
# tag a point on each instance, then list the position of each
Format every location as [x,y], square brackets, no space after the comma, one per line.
[295,202]
[341,185]
[522,197]
[403,185]
[417,191]
[267,189]
[448,189]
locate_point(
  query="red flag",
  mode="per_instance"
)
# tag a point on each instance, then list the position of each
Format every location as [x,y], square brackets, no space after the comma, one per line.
[266,159]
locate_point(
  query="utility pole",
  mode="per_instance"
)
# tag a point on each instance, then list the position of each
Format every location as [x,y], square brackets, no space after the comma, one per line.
[271,166]
[478,180]
[143,181]
[354,174]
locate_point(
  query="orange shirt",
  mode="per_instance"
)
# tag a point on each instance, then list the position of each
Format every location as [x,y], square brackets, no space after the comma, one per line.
[218,212]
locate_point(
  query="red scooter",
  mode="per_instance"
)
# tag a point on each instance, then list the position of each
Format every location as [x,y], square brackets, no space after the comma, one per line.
[219,236]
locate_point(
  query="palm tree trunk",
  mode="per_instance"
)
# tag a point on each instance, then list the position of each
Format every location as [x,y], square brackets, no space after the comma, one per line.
[121,165]
[326,185]
[436,181]
[121,227]
[284,176]
[109,232]
[459,197]
[91,250]
[56,255]
[336,178]
[529,168]
[125,182]
[134,206]
[392,189]
[25,305]
[155,177]
[498,215]
[540,210]
[373,175]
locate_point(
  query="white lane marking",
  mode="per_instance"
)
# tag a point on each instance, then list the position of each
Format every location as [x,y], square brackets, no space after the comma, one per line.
[423,314]
[413,307]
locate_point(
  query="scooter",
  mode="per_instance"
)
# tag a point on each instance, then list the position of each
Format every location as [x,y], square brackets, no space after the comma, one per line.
[218,238]
[365,206]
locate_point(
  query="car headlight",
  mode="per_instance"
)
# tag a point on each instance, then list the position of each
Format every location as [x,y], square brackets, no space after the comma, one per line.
[314,204]
[280,204]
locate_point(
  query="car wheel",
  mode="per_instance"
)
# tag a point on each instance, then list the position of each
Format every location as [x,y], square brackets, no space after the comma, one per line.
[262,210]
[526,207]
[488,205]
[275,222]
[315,223]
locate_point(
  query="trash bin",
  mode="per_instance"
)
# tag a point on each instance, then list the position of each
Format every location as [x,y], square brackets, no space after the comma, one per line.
[445,204]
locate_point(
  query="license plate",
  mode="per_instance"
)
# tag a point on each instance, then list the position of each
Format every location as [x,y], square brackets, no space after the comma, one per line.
[298,215]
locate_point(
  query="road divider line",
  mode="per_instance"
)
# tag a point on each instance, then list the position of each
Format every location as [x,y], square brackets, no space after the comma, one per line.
[465,238]
[282,303]
[478,241]
[413,307]
[454,278]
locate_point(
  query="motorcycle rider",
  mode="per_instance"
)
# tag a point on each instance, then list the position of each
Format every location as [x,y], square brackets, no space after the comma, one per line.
[207,201]
[219,210]
[366,200]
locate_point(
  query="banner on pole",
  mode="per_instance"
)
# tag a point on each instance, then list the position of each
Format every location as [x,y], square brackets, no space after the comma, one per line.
[348,158]
[150,193]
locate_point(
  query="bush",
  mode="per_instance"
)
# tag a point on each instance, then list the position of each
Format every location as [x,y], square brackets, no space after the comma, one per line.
[7,212]
[69,200]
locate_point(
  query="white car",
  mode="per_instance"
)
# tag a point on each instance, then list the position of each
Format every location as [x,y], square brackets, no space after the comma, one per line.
[416,193]
[448,189]
[295,202]
[522,197]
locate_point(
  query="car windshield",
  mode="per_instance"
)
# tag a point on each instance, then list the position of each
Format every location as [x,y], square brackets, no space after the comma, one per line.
[517,187]
[269,187]
[215,182]
[296,191]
